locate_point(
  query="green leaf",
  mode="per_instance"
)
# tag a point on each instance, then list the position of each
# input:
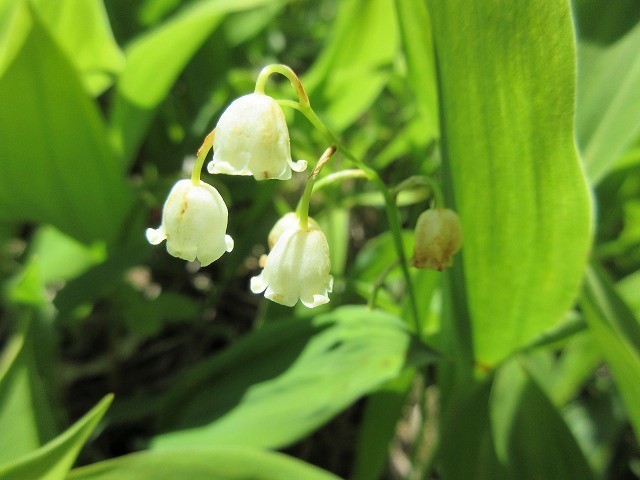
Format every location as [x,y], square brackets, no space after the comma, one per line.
[26,418]
[628,289]
[57,165]
[335,224]
[525,425]
[608,108]
[150,73]
[210,463]
[27,287]
[15,23]
[60,257]
[617,334]
[563,375]
[279,383]
[54,460]
[353,68]
[417,42]
[82,30]
[600,21]
[510,166]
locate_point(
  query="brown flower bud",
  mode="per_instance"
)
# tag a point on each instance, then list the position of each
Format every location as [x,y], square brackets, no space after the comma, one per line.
[438,237]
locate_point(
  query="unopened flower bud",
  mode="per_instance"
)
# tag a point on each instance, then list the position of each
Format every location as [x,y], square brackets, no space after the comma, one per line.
[438,237]
[297,268]
[288,221]
[194,223]
[252,138]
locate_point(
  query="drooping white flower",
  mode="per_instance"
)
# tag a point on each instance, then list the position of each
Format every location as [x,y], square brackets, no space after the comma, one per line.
[297,268]
[252,138]
[194,223]
[288,221]
[438,237]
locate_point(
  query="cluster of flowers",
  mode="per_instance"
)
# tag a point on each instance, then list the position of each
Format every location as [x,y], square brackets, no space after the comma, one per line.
[251,138]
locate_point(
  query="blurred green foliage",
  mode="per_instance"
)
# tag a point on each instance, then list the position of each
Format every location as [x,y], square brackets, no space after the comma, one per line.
[528,358]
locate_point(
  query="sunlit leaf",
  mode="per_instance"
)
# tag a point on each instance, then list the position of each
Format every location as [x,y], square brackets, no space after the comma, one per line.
[202,463]
[276,385]
[82,29]
[53,460]
[60,257]
[57,166]
[510,166]
[26,417]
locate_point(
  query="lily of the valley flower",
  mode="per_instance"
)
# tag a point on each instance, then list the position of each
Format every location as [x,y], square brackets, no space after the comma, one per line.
[287,222]
[194,223]
[297,268]
[252,138]
[438,237]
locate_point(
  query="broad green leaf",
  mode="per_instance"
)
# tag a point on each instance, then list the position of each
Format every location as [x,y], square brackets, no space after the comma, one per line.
[150,73]
[510,166]
[57,165]
[353,68]
[82,29]
[415,31]
[617,334]
[608,104]
[26,418]
[525,424]
[281,382]
[54,460]
[202,463]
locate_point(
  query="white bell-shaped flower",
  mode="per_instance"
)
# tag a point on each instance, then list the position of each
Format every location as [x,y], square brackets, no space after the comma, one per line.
[297,268]
[288,221]
[194,223]
[252,138]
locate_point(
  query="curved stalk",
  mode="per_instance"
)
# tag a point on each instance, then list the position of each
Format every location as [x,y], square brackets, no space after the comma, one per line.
[201,155]
[390,205]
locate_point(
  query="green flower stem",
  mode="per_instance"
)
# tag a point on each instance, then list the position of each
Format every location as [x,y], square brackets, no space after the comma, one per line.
[203,151]
[421,181]
[267,71]
[379,282]
[389,201]
[303,106]
[302,210]
[338,177]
